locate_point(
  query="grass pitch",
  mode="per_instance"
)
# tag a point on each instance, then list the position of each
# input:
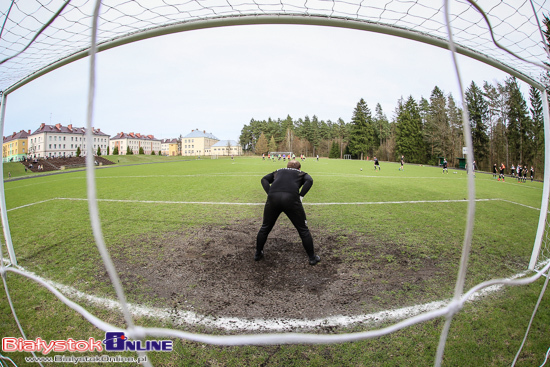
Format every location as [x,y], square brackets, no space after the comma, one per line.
[420,212]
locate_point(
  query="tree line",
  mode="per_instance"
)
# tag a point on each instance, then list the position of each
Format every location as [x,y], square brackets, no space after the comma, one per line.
[504,127]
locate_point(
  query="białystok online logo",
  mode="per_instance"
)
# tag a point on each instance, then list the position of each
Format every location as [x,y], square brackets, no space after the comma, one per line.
[115,341]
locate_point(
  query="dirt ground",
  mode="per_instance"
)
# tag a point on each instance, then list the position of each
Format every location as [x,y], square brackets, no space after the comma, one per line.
[211,271]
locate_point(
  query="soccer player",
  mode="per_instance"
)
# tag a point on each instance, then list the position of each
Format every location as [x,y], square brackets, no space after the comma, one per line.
[519,172]
[524,173]
[532,173]
[376,164]
[402,163]
[284,196]
[502,168]
[495,170]
[512,171]
[445,170]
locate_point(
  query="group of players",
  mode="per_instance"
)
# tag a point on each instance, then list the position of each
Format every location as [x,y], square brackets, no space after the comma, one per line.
[284,157]
[518,172]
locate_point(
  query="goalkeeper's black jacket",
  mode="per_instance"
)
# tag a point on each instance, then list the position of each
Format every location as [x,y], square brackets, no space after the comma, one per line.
[287,180]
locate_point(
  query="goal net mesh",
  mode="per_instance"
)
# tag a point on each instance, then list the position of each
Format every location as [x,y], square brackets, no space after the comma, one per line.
[39,36]
[513,25]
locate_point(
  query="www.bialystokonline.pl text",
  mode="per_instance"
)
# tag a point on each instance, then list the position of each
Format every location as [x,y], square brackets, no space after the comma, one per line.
[86,359]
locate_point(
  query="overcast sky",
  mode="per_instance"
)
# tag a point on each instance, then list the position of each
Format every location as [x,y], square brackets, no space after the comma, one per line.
[219,79]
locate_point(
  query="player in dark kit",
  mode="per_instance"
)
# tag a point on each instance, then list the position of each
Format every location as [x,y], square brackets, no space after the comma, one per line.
[284,196]
[376,164]
[501,175]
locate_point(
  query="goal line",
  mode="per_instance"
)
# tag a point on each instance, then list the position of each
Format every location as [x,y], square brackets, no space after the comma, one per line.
[262,203]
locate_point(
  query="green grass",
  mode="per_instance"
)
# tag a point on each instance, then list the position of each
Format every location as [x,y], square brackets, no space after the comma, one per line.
[54,240]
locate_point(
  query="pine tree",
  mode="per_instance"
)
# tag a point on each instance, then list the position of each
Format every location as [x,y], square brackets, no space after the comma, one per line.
[455,123]
[436,128]
[362,132]
[261,144]
[409,140]
[383,130]
[477,110]
[115,150]
[129,151]
[98,151]
[141,150]
[78,151]
[519,124]
[272,146]
[334,150]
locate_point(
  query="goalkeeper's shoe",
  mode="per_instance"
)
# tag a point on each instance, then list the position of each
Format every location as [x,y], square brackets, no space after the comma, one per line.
[314,259]
[258,255]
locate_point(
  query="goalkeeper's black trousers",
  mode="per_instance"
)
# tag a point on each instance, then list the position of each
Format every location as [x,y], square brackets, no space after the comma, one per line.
[290,204]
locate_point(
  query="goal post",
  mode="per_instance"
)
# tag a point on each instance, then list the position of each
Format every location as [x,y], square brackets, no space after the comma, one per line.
[3,209]
[543,227]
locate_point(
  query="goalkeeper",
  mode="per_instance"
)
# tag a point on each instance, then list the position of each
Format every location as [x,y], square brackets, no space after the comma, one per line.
[284,195]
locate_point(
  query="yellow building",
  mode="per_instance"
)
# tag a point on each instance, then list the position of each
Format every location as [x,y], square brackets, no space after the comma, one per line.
[169,147]
[198,143]
[16,146]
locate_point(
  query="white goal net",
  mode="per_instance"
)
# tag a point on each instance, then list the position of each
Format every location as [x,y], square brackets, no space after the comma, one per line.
[40,36]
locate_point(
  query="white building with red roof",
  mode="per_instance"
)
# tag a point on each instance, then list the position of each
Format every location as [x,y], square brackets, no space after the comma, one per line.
[134,142]
[49,141]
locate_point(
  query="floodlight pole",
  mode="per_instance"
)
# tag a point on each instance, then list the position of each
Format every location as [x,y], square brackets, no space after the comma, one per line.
[546,184]
[3,211]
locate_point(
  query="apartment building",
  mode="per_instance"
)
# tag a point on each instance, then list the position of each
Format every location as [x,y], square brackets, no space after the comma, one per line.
[197,143]
[15,147]
[133,142]
[226,147]
[50,141]
[169,147]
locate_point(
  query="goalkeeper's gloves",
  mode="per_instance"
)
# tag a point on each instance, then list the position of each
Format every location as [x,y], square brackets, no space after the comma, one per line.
[301,199]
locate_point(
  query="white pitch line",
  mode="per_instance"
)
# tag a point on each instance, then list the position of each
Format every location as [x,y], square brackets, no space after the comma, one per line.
[31,204]
[513,202]
[400,202]
[163,202]
[180,317]
[262,203]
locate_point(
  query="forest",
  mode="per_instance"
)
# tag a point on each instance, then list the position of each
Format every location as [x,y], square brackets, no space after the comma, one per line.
[505,128]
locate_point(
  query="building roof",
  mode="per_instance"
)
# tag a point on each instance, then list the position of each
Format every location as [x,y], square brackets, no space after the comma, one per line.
[69,129]
[139,136]
[16,136]
[200,134]
[169,141]
[224,143]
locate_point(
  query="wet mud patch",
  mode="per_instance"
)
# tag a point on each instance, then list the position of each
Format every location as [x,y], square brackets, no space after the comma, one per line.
[210,270]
